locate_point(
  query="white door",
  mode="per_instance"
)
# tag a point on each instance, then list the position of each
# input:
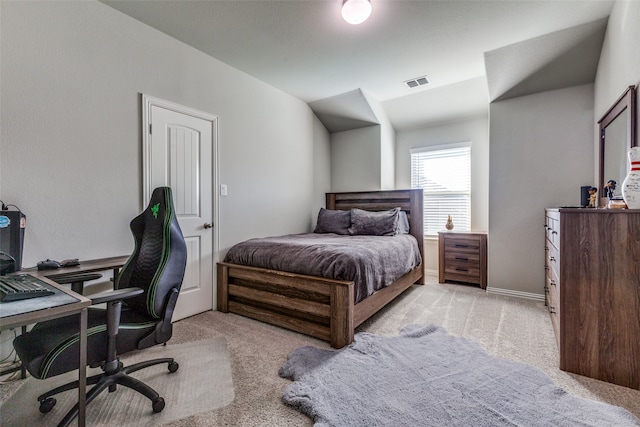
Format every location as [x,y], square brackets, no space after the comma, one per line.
[179,152]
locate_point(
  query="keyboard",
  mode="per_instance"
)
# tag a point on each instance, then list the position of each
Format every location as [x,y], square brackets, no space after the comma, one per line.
[22,286]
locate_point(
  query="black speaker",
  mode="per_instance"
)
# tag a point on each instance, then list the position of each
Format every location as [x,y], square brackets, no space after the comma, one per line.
[12,225]
[584,195]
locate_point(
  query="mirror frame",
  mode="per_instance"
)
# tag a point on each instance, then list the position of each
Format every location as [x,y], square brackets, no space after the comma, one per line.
[625,104]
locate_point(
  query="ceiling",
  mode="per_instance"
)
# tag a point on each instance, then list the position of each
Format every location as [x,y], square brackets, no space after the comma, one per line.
[471,51]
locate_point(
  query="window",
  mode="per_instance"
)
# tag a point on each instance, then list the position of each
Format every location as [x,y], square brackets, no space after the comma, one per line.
[444,174]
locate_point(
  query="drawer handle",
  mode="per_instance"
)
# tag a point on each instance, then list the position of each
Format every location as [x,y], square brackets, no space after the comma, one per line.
[459,245]
[461,269]
[459,258]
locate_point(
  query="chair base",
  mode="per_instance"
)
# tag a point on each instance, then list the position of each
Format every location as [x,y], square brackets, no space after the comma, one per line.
[109,380]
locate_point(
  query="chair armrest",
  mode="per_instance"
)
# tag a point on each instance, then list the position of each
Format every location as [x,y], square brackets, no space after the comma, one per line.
[115,295]
[114,300]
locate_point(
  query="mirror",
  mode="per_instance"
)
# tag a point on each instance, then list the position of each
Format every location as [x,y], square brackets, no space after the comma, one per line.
[617,135]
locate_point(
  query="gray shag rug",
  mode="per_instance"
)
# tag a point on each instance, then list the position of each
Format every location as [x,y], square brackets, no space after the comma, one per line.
[202,383]
[428,377]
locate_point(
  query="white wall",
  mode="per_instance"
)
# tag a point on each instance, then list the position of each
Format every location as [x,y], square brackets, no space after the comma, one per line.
[540,155]
[619,65]
[321,170]
[363,159]
[387,145]
[474,129]
[70,156]
[355,160]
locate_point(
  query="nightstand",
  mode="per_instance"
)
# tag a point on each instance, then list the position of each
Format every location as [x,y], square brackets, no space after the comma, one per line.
[462,257]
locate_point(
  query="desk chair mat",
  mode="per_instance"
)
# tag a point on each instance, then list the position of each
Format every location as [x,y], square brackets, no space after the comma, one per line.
[202,384]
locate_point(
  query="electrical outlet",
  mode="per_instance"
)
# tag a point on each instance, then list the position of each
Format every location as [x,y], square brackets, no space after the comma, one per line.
[223,189]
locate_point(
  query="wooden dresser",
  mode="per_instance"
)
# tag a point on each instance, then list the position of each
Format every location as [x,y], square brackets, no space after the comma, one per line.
[463,257]
[592,290]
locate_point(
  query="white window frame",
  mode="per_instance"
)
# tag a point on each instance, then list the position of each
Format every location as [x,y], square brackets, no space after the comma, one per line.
[435,209]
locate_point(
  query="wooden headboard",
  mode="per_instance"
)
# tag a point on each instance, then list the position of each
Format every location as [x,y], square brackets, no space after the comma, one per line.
[409,201]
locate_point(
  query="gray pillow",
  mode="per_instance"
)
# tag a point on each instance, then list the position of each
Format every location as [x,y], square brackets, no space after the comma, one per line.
[403,223]
[333,221]
[369,223]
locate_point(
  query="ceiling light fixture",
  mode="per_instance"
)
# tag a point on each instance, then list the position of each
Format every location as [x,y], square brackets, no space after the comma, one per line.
[356,11]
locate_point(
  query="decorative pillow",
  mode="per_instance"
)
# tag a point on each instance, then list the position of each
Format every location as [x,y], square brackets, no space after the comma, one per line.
[403,223]
[369,223]
[333,221]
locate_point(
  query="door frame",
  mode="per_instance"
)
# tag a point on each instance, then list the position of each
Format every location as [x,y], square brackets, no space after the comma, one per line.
[147,103]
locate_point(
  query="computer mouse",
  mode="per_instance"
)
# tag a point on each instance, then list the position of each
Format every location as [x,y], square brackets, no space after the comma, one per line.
[48,264]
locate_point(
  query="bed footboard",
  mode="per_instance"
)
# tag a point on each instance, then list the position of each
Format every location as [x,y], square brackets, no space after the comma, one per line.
[315,306]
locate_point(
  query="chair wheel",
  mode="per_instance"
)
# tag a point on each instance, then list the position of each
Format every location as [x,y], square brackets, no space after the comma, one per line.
[158,404]
[47,405]
[173,366]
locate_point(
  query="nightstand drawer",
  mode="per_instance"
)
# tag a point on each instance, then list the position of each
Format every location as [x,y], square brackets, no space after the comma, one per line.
[462,245]
[462,258]
[466,270]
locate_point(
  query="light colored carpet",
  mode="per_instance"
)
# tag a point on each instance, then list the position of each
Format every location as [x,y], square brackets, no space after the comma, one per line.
[202,383]
[511,328]
[427,377]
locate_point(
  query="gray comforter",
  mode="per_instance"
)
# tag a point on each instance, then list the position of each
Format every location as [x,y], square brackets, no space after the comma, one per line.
[372,262]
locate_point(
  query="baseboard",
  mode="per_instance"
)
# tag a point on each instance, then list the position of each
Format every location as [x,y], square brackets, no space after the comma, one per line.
[517,294]
[430,272]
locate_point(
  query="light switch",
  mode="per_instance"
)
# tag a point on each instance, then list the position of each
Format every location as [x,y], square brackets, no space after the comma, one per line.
[223,189]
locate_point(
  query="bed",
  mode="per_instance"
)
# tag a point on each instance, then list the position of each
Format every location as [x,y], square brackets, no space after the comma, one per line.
[325,308]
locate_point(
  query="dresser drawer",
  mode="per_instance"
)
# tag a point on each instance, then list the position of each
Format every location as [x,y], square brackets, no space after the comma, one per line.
[553,294]
[552,262]
[552,227]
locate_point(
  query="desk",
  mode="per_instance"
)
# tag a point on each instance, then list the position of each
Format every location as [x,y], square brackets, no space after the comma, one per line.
[90,266]
[79,306]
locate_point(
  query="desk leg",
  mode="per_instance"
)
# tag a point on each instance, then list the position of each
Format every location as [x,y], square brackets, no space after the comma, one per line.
[23,369]
[82,371]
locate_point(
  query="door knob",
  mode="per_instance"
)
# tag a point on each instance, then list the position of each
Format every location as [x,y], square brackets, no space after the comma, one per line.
[208,225]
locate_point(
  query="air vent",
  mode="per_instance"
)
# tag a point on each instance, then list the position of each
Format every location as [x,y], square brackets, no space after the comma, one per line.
[418,81]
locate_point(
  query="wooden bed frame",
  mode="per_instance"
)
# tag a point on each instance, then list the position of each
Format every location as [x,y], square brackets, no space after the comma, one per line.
[316,306]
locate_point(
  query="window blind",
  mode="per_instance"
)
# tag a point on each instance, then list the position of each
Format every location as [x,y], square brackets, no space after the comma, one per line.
[444,174]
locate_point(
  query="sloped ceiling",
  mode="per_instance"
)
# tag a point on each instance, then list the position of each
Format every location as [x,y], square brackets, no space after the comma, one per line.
[560,59]
[305,49]
[348,111]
